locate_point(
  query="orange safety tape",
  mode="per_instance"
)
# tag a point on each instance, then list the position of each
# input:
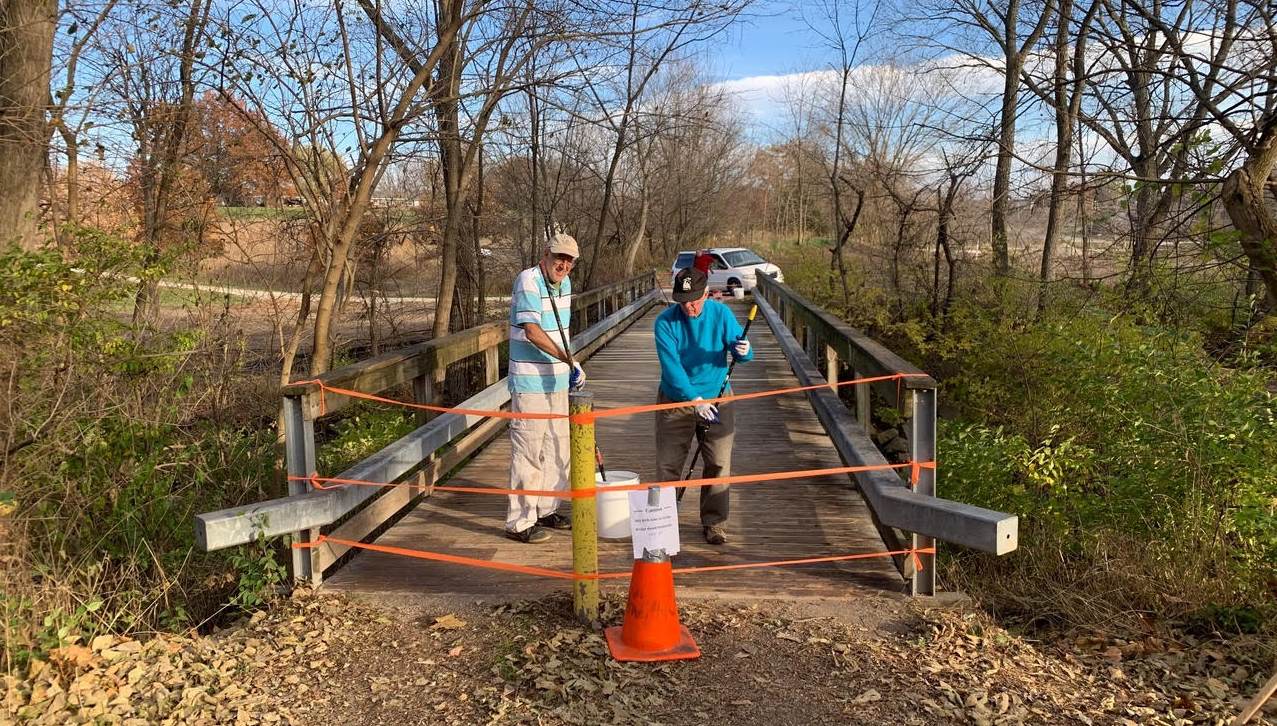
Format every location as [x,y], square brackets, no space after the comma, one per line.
[586,418]
[738,479]
[631,410]
[915,470]
[564,575]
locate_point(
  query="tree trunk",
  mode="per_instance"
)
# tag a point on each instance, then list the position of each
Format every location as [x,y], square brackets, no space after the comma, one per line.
[1002,173]
[1083,229]
[26,56]
[942,231]
[480,271]
[1244,198]
[835,174]
[1064,112]
[537,222]
[846,228]
[631,254]
[609,182]
[1144,226]
[72,177]
[450,155]
[1013,53]
[164,162]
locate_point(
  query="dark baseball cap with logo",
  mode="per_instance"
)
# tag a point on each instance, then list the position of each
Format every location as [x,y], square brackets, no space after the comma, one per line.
[689,285]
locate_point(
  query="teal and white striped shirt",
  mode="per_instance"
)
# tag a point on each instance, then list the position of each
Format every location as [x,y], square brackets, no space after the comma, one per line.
[531,369]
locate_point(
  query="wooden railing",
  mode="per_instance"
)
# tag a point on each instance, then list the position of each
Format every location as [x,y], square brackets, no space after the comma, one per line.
[823,349]
[468,361]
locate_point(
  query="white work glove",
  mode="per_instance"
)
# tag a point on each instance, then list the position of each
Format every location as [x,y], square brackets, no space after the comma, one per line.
[576,378]
[741,347]
[707,411]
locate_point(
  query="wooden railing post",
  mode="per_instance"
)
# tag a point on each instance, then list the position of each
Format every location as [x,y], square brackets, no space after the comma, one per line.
[864,403]
[831,367]
[427,388]
[491,366]
[299,460]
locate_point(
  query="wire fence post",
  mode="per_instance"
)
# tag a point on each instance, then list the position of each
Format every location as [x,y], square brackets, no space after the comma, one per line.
[585,546]
[922,441]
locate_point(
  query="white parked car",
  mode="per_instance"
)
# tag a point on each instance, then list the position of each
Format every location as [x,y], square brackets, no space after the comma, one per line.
[732,267]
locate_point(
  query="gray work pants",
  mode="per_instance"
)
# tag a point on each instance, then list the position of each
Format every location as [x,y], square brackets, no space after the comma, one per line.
[676,436]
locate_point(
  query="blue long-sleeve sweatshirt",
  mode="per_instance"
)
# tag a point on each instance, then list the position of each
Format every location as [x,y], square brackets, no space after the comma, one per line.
[693,351]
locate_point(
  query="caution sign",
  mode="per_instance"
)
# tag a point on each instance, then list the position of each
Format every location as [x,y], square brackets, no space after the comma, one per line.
[654,527]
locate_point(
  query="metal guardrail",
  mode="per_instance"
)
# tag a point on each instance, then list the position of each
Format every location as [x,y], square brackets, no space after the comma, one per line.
[809,336]
[429,452]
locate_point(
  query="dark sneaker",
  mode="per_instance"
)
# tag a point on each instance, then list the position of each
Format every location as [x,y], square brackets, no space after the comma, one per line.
[555,521]
[715,535]
[532,535]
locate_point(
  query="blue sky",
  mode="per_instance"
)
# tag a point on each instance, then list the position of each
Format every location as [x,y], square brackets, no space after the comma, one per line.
[751,58]
[771,40]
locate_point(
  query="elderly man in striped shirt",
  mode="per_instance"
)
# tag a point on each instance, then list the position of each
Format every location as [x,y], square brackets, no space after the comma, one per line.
[541,372]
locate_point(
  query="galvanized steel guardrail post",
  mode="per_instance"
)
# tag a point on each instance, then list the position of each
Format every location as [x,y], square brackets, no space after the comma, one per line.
[922,442]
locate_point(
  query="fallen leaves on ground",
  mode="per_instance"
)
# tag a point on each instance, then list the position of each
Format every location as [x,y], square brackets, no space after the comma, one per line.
[331,660]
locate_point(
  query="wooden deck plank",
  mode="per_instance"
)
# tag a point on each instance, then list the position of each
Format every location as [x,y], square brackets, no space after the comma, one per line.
[791,519]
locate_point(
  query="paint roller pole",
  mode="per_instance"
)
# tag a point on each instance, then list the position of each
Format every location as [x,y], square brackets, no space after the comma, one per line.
[702,428]
[585,546]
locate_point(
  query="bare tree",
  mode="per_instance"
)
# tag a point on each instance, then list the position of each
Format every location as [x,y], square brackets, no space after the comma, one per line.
[957,168]
[83,26]
[652,36]
[1014,29]
[844,36]
[798,97]
[1144,119]
[153,69]
[337,158]
[1064,93]
[1227,58]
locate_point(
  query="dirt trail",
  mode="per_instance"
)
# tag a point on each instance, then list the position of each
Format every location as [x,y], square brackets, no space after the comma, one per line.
[867,659]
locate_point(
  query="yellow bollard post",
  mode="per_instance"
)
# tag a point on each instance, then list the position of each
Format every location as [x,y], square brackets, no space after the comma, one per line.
[585,546]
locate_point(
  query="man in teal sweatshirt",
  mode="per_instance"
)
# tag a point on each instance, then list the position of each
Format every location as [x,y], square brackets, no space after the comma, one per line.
[693,341]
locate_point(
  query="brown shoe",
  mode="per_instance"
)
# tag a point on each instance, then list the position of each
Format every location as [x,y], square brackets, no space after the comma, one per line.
[715,535]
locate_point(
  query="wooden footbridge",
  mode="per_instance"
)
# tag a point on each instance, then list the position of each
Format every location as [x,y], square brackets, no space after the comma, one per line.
[363,538]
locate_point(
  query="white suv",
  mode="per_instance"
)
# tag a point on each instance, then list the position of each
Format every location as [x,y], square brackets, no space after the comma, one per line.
[732,267]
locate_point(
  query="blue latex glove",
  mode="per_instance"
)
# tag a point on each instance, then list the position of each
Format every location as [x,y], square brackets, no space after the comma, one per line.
[576,379]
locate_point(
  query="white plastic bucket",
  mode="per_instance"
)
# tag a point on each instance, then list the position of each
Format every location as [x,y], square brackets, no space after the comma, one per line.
[614,507]
[738,293]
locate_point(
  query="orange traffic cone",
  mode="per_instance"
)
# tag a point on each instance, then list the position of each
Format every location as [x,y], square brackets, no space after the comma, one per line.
[651,630]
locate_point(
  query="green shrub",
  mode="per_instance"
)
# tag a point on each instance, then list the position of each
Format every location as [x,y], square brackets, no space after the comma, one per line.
[360,434]
[116,438]
[1094,428]
[259,574]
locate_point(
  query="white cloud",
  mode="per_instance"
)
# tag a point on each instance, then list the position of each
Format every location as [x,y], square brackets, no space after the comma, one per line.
[766,98]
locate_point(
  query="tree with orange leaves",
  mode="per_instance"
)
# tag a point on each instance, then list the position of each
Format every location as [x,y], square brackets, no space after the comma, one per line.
[237,152]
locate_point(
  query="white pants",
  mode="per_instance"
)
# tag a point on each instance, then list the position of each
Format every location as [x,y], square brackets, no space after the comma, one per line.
[539,456]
